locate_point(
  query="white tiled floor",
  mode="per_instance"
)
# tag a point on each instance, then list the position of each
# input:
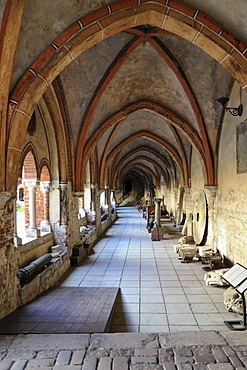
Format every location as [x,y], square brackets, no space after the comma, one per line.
[158,292]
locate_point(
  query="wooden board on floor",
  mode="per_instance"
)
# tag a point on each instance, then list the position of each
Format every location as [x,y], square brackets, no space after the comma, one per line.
[64,310]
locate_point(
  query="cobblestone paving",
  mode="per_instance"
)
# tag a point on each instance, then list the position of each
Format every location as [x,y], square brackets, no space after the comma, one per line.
[209,350]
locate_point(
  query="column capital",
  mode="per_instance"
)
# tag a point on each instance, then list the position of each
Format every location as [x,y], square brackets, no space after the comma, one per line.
[45,186]
[158,200]
[32,184]
[63,185]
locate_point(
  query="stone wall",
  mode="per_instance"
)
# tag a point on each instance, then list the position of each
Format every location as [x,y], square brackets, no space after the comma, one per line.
[8,257]
[230,228]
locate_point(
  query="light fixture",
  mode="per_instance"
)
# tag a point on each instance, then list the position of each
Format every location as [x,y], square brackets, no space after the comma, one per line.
[238,111]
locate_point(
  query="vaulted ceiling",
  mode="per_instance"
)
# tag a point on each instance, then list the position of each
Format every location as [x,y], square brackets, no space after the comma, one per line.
[138,97]
[143,98]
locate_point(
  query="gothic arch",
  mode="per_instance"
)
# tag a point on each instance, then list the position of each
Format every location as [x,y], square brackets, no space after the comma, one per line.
[175,17]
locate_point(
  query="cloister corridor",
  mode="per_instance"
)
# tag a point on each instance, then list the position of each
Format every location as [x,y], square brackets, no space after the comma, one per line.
[158,293]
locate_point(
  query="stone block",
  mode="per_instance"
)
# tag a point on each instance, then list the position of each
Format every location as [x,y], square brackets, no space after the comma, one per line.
[124,340]
[219,355]
[77,357]
[56,248]
[5,364]
[90,363]
[63,358]
[66,367]
[169,366]
[146,367]
[144,360]
[51,342]
[220,367]
[41,363]
[120,363]
[19,365]
[105,363]
[146,351]
[179,339]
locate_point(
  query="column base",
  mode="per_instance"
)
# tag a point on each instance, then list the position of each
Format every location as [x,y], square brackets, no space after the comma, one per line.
[17,241]
[32,233]
[45,226]
[157,234]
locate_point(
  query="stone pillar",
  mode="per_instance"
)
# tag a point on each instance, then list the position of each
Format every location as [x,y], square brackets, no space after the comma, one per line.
[9,256]
[157,211]
[17,240]
[108,201]
[93,196]
[63,203]
[45,224]
[97,209]
[211,192]
[32,230]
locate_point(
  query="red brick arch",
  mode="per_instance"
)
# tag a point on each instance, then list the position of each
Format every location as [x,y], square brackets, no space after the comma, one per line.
[157,109]
[155,138]
[142,168]
[116,166]
[170,15]
[121,166]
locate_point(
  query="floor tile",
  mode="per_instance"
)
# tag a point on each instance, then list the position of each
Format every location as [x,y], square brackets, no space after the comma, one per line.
[152,299]
[172,290]
[178,308]
[152,308]
[174,328]
[128,307]
[181,318]
[204,308]
[200,298]
[154,329]
[151,291]
[209,319]
[150,319]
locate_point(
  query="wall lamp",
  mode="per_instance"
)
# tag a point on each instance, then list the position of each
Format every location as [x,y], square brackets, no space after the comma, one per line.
[238,111]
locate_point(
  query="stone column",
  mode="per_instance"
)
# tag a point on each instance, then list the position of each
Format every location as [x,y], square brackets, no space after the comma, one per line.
[211,192]
[97,209]
[108,201]
[93,196]
[63,203]
[113,191]
[17,240]
[157,211]
[32,230]
[45,224]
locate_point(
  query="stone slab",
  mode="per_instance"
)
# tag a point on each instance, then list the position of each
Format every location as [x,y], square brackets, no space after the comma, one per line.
[235,338]
[50,342]
[124,340]
[179,339]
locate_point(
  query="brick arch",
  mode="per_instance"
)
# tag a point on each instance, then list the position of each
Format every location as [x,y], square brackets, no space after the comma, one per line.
[154,138]
[45,171]
[29,157]
[140,174]
[116,166]
[143,168]
[157,166]
[169,15]
[157,109]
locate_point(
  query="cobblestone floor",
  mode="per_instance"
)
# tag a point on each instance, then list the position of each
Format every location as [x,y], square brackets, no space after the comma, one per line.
[209,350]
